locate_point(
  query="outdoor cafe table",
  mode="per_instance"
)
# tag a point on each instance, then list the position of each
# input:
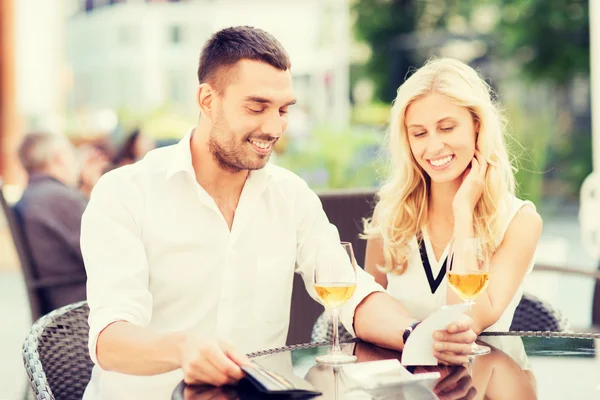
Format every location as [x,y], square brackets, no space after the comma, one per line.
[531,365]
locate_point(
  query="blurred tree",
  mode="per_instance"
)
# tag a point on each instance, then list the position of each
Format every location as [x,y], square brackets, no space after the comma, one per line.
[377,23]
[400,34]
[549,38]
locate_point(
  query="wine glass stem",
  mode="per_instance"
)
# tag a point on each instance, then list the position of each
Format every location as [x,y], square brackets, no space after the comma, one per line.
[335,382]
[470,303]
[336,340]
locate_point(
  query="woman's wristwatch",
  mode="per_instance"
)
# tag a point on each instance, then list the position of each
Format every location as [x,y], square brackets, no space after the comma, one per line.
[409,330]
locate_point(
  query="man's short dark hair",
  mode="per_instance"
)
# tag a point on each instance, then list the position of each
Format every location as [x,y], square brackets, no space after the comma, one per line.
[230,45]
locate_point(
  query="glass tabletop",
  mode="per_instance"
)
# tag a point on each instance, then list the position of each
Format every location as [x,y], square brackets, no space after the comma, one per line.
[519,367]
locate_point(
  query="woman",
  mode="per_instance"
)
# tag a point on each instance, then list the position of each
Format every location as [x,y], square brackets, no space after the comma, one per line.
[450,178]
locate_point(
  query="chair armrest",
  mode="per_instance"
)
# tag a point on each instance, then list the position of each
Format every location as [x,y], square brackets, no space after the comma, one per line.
[566,270]
[58,281]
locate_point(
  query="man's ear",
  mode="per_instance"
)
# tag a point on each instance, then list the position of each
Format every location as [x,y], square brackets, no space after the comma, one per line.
[205,96]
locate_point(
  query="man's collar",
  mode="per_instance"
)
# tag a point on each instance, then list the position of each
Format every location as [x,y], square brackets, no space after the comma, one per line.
[181,159]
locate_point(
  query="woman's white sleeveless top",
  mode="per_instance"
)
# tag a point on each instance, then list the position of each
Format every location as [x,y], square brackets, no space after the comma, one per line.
[422,295]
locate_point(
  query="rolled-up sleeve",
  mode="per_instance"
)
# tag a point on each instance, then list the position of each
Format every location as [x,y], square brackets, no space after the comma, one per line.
[114,256]
[316,233]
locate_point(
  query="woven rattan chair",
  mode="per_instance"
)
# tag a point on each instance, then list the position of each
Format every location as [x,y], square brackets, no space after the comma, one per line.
[533,314]
[55,354]
[322,331]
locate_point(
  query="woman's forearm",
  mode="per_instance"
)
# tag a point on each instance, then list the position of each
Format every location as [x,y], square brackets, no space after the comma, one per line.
[372,321]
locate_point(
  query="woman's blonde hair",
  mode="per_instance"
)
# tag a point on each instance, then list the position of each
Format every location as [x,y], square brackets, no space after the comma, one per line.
[402,207]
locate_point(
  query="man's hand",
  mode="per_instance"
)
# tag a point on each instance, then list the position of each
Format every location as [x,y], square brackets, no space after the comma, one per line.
[212,362]
[453,345]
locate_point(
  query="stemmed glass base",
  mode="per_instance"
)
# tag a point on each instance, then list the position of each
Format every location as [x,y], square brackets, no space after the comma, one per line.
[336,355]
[336,358]
[479,350]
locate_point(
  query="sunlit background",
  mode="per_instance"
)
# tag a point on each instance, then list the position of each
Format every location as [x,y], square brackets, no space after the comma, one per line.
[94,70]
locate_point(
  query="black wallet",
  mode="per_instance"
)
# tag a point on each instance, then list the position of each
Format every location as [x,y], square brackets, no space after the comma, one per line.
[270,382]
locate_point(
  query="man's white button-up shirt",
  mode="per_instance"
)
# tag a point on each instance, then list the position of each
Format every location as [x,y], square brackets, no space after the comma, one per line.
[159,254]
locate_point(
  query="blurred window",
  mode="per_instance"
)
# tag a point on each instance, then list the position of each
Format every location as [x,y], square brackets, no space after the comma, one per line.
[128,35]
[178,87]
[175,34]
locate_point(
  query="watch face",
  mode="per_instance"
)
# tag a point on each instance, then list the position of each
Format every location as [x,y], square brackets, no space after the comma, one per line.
[406,333]
[409,330]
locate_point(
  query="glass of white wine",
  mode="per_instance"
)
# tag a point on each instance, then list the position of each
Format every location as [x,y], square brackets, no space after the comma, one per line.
[334,280]
[468,270]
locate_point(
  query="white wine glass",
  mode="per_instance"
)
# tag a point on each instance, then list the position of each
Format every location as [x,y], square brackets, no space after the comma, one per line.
[468,271]
[334,280]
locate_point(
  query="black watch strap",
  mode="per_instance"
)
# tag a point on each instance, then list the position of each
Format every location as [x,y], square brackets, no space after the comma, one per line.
[409,330]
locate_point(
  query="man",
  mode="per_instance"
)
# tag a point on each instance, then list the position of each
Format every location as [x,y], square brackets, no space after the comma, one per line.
[190,253]
[50,213]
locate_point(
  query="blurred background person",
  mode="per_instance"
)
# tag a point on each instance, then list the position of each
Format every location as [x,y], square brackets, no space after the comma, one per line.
[51,207]
[134,148]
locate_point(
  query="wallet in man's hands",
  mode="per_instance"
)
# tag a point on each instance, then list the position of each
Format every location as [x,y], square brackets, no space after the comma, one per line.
[267,381]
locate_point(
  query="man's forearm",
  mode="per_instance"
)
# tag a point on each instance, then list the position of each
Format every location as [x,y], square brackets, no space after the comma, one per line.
[130,349]
[381,319]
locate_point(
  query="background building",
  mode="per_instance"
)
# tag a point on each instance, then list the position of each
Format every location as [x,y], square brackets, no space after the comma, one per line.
[141,56]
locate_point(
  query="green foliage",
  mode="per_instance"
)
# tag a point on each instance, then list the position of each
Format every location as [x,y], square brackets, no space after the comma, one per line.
[161,123]
[392,27]
[572,160]
[373,114]
[550,38]
[531,136]
[377,23]
[332,158]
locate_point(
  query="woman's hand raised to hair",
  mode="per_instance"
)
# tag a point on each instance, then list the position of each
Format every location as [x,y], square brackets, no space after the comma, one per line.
[471,188]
